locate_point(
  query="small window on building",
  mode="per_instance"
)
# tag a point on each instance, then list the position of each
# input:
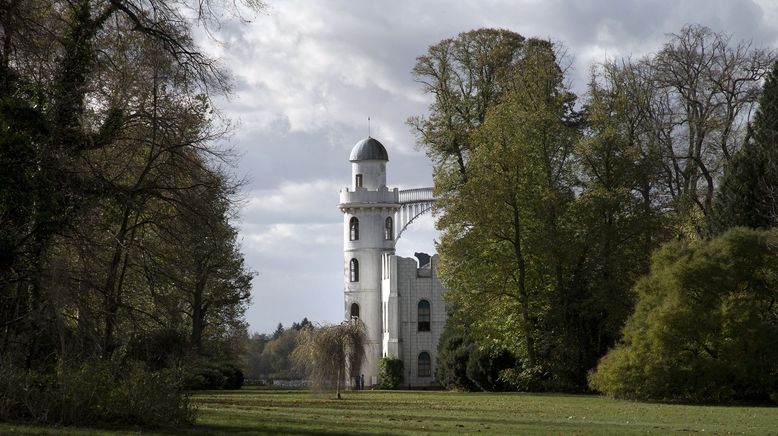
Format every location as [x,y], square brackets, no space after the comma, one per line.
[354,310]
[425,364]
[388,229]
[358,180]
[354,270]
[424,316]
[353,229]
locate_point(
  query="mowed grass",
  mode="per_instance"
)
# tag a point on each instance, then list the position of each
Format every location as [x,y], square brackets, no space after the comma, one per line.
[257,411]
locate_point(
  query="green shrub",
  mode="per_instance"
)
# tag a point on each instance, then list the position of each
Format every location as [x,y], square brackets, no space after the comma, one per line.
[27,395]
[390,373]
[462,365]
[704,328]
[211,374]
[234,377]
[159,349]
[150,398]
[95,392]
[204,375]
[454,349]
[484,369]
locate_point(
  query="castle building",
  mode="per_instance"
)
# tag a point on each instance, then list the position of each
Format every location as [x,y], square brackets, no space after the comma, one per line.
[399,300]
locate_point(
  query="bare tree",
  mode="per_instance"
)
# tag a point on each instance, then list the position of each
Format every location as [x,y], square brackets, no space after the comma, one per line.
[691,104]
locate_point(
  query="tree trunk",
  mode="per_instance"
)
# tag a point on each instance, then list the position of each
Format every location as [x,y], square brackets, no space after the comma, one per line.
[198,314]
[337,385]
[522,288]
[110,290]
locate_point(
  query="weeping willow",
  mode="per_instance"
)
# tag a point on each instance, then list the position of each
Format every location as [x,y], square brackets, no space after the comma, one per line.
[329,352]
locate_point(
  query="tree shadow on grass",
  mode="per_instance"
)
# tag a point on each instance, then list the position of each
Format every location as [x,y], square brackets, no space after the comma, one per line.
[270,428]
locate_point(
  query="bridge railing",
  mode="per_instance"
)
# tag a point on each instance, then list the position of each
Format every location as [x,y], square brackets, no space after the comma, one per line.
[416,195]
[413,203]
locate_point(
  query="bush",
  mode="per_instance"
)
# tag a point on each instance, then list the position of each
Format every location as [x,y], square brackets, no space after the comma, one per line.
[484,369]
[28,395]
[151,398]
[454,351]
[210,374]
[204,375]
[462,365]
[704,328]
[530,379]
[95,392]
[158,349]
[390,373]
[234,378]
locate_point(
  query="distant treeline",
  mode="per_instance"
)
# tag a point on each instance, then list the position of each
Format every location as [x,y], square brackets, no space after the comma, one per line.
[268,356]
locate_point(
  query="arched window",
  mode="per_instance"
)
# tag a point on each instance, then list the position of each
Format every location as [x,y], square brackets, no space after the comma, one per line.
[424,316]
[353,226]
[388,229]
[354,310]
[425,364]
[354,270]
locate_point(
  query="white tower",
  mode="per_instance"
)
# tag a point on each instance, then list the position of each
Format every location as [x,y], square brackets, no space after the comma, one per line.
[368,233]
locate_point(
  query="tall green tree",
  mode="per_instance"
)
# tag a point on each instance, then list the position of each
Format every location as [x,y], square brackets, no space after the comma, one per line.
[615,229]
[502,250]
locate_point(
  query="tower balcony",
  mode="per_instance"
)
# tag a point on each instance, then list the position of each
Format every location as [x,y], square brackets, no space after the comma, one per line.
[381,197]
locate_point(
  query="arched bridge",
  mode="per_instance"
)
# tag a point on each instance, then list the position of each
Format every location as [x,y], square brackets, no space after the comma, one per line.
[413,204]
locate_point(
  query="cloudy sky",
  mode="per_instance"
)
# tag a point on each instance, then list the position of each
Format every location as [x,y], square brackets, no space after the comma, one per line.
[308,73]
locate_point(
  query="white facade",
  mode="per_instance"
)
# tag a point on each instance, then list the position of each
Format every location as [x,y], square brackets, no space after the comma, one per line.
[399,302]
[409,329]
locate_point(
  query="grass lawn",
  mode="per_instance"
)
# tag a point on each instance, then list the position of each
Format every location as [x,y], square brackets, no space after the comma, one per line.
[253,411]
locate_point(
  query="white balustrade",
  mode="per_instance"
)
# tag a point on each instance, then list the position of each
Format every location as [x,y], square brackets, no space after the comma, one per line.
[413,204]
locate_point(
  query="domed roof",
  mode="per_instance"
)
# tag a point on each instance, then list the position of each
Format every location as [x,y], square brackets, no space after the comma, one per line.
[368,149]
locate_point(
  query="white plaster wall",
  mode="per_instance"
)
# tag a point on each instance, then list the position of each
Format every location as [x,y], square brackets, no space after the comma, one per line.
[373,173]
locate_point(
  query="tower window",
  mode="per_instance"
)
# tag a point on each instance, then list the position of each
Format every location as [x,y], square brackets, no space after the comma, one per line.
[354,310]
[425,364]
[424,316]
[354,270]
[388,229]
[358,180]
[353,229]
